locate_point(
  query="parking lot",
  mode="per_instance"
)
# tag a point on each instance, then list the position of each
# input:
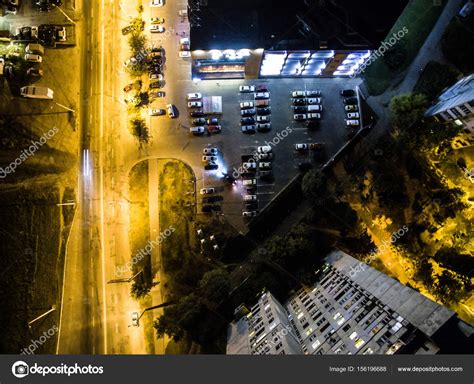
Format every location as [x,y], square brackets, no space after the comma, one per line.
[234,147]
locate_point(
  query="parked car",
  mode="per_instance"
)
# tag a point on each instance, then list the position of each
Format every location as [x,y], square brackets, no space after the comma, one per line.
[353,115]
[248,128]
[249,213]
[211,199]
[350,100]
[246,104]
[352,122]
[264,111]
[211,208]
[262,95]
[313,93]
[262,103]
[135,319]
[313,116]
[249,182]
[156,84]
[265,156]
[353,107]
[264,149]
[298,94]
[266,175]
[347,92]
[184,54]
[128,87]
[209,159]
[126,30]
[214,128]
[157,112]
[262,88]
[300,101]
[299,116]
[210,151]
[300,109]
[250,166]
[246,88]
[194,104]
[156,76]
[194,96]
[156,28]
[211,167]
[250,197]
[157,20]
[305,166]
[263,127]
[33,58]
[314,100]
[171,110]
[248,112]
[212,121]
[315,108]
[197,130]
[265,165]
[263,119]
[301,147]
[196,113]
[247,120]
[207,191]
[156,94]
[198,121]
[156,3]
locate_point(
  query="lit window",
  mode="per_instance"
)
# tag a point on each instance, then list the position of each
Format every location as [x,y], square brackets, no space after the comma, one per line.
[353,335]
[359,343]
[316,344]
[301,314]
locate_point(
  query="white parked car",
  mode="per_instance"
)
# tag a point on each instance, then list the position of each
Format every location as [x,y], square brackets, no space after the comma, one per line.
[298,94]
[156,28]
[250,166]
[299,116]
[156,3]
[249,182]
[194,104]
[264,149]
[246,88]
[352,107]
[207,191]
[184,54]
[209,151]
[197,130]
[157,112]
[194,96]
[262,95]
[352,122]
[313,116]
[246,104]
[33,58]
[263,119]
[250,198]
[353,115]
[301,147]
[249,213]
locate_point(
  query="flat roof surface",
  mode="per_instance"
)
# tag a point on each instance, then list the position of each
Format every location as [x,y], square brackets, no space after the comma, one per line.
[295,25]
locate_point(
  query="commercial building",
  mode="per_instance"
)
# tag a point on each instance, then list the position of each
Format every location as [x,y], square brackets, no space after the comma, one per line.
[351,309]
[276,38]
[456,104]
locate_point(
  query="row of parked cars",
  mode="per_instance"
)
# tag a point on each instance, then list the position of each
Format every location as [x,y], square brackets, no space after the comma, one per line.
[258,164]
[201,124]
[307,105]
[255,114]
[351,108]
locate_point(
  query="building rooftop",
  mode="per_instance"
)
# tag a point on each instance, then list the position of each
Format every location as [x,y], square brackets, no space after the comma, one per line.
[460,93]
[296,25]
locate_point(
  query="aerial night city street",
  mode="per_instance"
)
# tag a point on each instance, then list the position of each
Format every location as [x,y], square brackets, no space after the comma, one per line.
[251,177]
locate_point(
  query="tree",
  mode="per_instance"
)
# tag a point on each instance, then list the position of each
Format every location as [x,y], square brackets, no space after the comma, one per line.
[396,56]
[458,43]
[435,78]
[215,285]
[136,42]
[180,318]
[314,185]
[139,129]
[407,109]
[139,290]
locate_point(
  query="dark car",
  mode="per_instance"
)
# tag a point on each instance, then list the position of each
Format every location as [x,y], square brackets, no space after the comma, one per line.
[300,109]
[156,94]
[347,92]
[247,120]
[213,121]
[251,206]
[211,199]
[298,101]
[211,208]
[313,124]
[196,113]
[304,167]
[211,167]
[156,84]
[266,175]
[264,111]
[350,100]
[126,30]
[261,88]
[199,121]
